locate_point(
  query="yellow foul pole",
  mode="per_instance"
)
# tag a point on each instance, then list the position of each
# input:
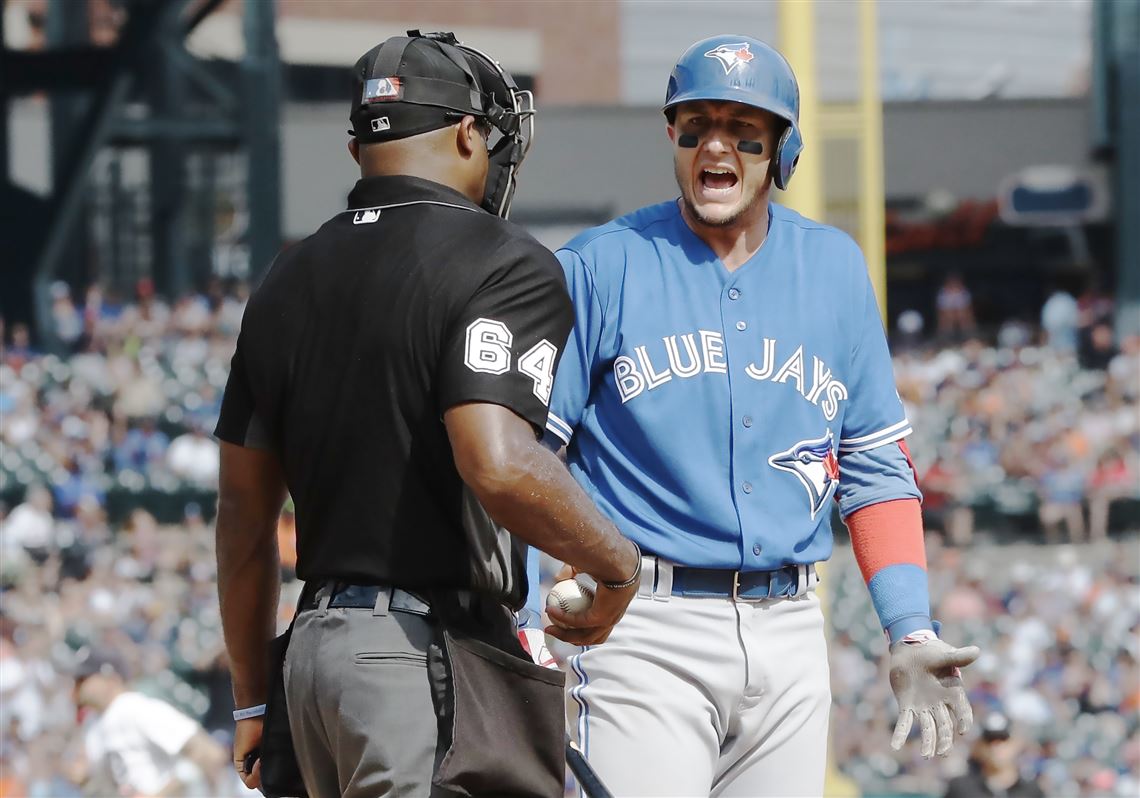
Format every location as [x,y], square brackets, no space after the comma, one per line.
[872,215]
[797,43]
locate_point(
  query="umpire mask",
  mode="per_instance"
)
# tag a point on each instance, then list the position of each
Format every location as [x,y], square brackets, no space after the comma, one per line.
[424,81]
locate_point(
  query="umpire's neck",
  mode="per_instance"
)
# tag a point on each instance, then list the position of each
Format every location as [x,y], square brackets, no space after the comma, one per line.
[453,156]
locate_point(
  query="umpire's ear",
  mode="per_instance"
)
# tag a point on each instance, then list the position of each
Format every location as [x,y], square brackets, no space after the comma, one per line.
[354,149]
[469,139]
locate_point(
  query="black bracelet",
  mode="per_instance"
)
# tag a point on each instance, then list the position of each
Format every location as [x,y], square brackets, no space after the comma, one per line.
[632,579]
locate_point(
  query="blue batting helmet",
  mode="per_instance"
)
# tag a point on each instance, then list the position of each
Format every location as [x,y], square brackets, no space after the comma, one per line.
[747,71]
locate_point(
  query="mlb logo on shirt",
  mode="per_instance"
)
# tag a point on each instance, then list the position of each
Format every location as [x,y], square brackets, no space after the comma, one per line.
[366,216]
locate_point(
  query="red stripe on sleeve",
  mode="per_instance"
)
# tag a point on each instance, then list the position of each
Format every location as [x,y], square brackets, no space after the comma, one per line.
[888,533]
[909,462]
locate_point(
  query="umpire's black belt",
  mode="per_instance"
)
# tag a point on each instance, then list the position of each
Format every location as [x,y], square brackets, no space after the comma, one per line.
[375,597]
[662,578]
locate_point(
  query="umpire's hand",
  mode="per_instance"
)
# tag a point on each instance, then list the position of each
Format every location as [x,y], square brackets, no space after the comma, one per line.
[247,751]
[928,685]
[592,626]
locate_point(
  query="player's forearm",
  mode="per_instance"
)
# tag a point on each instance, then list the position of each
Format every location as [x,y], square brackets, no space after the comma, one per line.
[249,584]
[535,497]
[888,543]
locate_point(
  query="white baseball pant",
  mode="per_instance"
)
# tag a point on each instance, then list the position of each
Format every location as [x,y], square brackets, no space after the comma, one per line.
[706,697]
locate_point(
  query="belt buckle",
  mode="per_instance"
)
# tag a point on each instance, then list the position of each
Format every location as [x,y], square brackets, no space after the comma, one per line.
[736,591]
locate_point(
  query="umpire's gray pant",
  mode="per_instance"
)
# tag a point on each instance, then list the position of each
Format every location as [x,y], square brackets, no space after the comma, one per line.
[360,702]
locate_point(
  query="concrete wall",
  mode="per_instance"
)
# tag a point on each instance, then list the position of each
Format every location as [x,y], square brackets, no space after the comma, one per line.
[967,148]
[934,49]
[612,160]
[609,160]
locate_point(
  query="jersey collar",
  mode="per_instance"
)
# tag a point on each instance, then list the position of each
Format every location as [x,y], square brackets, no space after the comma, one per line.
[370,192]
[701,252]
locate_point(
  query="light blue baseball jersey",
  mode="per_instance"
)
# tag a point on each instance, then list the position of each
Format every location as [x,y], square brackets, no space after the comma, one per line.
[714,415]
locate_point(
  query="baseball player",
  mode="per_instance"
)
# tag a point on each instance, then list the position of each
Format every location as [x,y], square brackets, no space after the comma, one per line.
[726,378]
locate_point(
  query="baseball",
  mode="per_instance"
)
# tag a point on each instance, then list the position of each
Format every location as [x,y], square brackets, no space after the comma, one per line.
[572,595]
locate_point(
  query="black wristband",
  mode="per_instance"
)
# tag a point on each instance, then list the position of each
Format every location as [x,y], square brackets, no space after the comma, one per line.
[632,579]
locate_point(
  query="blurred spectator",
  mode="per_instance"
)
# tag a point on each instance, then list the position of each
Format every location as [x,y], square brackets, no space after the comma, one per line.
[66,318]
[910,325]
[101,312]
[1099,348]
[1062,487]
[137,745]
[1013,334]
[140,393]
[20,351]
[232,309]
[1059,319]
[30,526]
[74,483]
[1095,307]
[955,309]
[148,317]
[1124,370]
[193,457]
[944,492]
[192,314]
[80,537]
[993,765]
[143,446]
[143,547]
[1115,479]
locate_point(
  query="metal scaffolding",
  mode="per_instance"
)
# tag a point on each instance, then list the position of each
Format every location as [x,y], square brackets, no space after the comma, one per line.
[145,93]
[1116,121]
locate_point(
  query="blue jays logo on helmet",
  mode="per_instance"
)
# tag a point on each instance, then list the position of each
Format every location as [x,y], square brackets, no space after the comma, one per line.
[744,70]
[814,464]
[731,56]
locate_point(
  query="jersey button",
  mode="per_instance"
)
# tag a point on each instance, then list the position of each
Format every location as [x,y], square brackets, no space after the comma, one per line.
[734,293]
[746,421]
[756,550]
[742,325]
[746,487]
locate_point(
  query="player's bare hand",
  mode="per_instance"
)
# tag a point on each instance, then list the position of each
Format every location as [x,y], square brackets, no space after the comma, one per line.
[928,685]
[247,740]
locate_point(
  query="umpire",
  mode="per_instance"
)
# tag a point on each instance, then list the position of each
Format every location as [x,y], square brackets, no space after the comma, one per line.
[392,374]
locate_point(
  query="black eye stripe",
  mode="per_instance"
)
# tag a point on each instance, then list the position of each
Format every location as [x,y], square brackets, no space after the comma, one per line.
[689,141]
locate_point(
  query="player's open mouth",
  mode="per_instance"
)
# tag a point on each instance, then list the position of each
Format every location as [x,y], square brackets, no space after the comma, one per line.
[717,181]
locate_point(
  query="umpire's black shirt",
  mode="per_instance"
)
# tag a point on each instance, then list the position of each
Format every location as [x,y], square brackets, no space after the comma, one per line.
[361,336]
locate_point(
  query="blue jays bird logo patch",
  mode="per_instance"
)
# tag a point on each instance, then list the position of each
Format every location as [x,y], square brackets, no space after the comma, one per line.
[731,56]
[814,464]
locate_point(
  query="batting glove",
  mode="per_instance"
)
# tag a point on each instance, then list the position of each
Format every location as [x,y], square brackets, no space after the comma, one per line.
[928,685]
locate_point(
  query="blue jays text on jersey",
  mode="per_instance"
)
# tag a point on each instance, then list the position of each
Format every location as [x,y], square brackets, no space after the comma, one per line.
[714,414]
[634,376]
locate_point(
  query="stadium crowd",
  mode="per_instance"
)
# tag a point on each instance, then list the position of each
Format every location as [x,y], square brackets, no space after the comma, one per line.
[107,471]
[1059,628]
